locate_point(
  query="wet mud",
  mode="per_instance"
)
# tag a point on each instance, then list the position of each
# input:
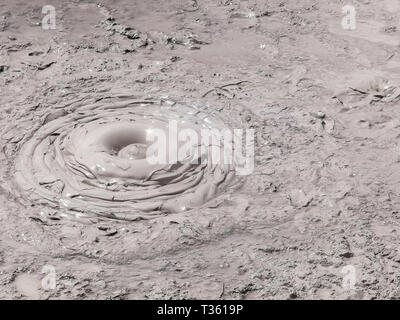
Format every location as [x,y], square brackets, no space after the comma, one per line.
[322,201]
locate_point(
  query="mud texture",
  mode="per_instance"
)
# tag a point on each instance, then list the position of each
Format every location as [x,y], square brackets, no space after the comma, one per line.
[323,200]
[98,159]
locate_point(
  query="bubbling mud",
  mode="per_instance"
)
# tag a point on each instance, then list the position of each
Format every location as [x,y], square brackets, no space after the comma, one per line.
[92,159]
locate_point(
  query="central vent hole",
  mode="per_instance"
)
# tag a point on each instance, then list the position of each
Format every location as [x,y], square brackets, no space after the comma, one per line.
[134,151]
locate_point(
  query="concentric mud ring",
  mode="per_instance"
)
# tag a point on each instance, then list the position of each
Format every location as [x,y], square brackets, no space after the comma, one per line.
[93,159]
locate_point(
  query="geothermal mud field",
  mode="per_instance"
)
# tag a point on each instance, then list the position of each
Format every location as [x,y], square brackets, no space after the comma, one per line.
[318,218]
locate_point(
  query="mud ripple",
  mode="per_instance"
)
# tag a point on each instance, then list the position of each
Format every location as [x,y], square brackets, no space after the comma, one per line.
[92,159]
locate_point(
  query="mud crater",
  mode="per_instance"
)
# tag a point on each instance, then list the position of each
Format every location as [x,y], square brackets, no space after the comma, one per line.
[92,159]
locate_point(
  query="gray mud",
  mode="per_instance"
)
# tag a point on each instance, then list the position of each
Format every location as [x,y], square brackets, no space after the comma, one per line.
[324,195]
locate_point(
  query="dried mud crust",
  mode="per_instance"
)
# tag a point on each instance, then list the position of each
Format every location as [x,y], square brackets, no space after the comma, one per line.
[323,103]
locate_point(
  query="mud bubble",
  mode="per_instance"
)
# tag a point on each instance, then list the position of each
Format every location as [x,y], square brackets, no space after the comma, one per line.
[91,159]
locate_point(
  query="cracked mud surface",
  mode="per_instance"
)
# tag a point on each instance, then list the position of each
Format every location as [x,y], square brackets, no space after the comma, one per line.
[324,103]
